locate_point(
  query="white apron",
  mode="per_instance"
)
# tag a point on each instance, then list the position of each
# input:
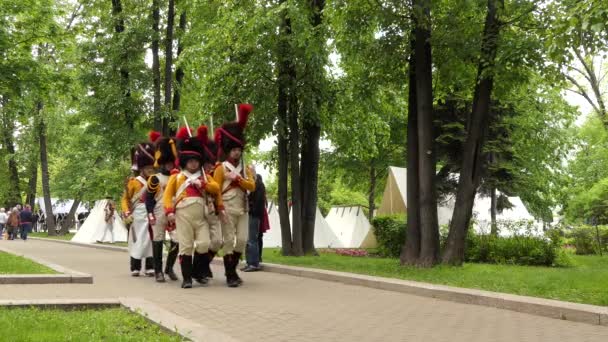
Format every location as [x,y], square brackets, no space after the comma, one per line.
[140,242]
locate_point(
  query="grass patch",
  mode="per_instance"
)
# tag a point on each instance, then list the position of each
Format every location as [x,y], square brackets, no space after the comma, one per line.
[33,324]
[117,243]
[13,264]
[45,235]
[69,237]
[583,282]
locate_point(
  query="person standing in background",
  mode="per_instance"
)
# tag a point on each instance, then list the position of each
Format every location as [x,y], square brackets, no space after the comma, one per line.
[3,219]
[13,223]
[26,218]
[257,206]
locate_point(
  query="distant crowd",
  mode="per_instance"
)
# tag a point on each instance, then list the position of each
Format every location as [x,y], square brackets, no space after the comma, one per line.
[17,222]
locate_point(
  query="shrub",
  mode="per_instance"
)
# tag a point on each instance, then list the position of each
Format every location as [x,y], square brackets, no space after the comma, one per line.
[390,233]
[514,250]
[584,239]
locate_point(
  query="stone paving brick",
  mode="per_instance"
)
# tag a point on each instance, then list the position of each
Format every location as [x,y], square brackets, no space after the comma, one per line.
[276,307]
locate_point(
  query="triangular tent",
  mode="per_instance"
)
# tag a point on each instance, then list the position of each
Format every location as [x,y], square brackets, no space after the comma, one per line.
[272,237]
[394,200]
[324,236]
[352,227]
[93,228]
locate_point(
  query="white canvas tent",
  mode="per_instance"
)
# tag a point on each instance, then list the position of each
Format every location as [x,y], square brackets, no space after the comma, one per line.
[394,200]
[93,228]
[324,236]
[272,237]
[61,206]
[351,227]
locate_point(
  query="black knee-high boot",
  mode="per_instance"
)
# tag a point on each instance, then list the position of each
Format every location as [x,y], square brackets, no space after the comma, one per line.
[171,257]
[135,266]
[198,267]
[231,280]
[237,258]
[157,252]
[186,266]
[149,266]
[207,271]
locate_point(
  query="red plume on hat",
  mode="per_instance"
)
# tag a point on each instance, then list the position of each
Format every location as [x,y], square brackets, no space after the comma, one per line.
[182,133]
[154,135]
[243,114]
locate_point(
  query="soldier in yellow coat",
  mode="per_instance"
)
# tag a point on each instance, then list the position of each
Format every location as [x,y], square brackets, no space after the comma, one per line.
[134,209]
[165,156]
[186,200]
[235,181]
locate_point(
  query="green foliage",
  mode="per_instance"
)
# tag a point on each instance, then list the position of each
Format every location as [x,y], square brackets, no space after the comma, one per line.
[585,239]
[514,250]
[390,233]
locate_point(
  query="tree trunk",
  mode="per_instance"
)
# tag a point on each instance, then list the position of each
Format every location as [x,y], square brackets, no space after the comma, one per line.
[294,156]
[373,181]
[310,180]
[179,73]
[470,173]
[283,133]
[70,220]
[14,192]
[119,27]
[167,119]
[44,165]
[429,228]
[156,64]
[32,182]
[411,247]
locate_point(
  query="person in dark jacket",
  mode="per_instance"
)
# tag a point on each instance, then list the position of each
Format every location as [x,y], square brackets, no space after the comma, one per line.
[27,218]
[257,206]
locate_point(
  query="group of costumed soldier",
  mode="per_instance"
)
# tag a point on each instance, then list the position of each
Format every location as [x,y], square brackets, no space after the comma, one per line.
[193,190]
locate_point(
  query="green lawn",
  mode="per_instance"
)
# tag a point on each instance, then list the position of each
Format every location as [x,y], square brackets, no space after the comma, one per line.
[13,264]
[32,324]
[586,281]
[67,236]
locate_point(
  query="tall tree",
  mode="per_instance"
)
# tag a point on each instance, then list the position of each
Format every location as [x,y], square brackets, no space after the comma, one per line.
[119,28]
[179,73]
[156,64]
[167,118]
[284,82]
[470,174]
[312,128]
[44,165]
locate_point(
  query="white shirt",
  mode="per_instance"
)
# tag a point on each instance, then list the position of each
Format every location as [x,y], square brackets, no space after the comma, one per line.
[3,218]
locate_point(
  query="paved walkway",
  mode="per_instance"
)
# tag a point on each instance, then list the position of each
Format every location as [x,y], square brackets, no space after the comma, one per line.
[274,307]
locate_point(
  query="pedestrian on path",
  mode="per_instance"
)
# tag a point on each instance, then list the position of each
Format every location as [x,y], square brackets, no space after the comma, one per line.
[13,223]
[134,209]
[215,226]
[193,191]
[257,204]
[26,217]
[3,219]
[109,211]
[165,157]
[235,180]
